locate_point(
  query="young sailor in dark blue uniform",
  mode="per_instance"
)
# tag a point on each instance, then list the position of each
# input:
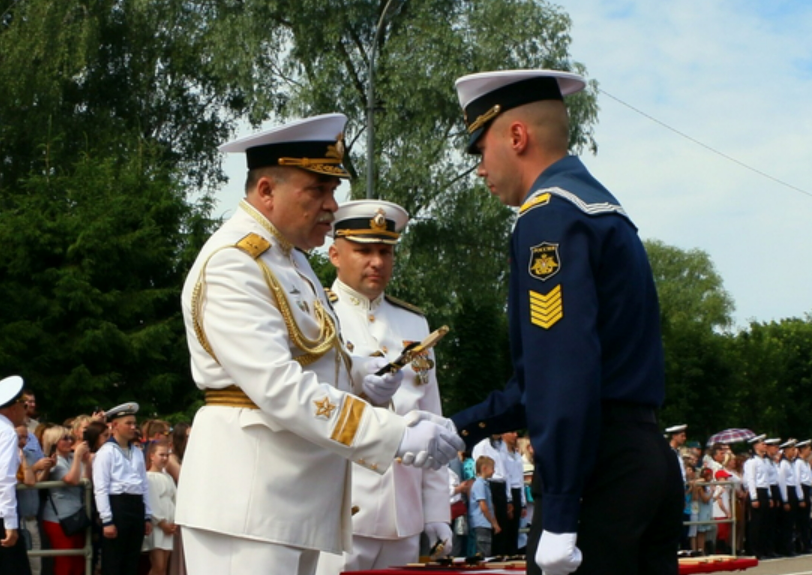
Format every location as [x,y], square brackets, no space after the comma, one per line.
[585,339]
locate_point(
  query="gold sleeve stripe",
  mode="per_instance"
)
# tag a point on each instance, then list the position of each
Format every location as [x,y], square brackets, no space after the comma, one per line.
[534,202]
[348,420]
[546,309]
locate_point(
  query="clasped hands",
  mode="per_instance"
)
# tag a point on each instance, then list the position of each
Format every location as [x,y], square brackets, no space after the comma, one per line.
[429,440]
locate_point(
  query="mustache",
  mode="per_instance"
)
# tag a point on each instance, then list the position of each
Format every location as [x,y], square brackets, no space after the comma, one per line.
[326,218]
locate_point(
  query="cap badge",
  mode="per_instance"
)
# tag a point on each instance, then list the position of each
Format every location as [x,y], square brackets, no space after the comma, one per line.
[378,222]
[484,118]
[336,150]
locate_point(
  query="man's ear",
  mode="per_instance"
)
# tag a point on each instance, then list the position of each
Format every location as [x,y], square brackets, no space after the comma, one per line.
[265,191]
[519,138]
[332,252]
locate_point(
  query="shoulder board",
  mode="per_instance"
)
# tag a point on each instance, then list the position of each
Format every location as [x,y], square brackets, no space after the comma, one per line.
[254,245]
[542,198]
[538,199]
[331,295]
[400,303]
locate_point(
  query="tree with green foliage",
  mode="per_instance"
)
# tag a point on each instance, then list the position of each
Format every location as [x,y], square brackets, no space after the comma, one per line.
[111,114]
[453,259]
[694,308]
[773,388]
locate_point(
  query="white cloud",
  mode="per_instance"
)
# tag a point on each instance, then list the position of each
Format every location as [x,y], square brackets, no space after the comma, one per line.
[735,76]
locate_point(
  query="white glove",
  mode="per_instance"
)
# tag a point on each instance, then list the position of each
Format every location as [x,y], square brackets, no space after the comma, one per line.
[439,534]
[557,553]
[380,388]
[417,415]
[426,444]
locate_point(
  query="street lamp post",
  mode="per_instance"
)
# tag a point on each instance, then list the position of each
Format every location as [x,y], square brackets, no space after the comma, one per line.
[371,105]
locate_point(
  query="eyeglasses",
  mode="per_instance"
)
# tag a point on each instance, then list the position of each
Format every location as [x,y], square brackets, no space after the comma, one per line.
[67,438]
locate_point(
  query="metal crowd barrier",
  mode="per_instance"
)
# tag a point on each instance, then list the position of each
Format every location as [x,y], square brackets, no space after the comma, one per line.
[732,519]
[87,550]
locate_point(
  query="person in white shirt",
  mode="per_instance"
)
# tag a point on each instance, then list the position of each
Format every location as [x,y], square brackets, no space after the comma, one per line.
[804,474]
[757,483]
[514,466]
[121,492]
[792,496]
[13,558]
[396,506]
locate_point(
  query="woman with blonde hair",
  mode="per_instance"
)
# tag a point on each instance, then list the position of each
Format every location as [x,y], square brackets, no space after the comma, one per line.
[63,502]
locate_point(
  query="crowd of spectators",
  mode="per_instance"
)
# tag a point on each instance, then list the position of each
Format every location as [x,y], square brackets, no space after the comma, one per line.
[756,499]
[65,452]
[749,497]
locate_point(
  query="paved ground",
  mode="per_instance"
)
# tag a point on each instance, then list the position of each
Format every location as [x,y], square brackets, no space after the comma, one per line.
[795,566]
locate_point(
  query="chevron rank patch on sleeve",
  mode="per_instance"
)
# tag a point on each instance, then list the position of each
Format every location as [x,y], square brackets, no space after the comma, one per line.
[546,309]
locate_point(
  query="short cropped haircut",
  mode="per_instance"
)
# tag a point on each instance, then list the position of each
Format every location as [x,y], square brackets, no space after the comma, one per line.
[481,462]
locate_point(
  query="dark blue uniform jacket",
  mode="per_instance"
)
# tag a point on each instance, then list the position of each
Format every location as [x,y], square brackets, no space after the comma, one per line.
[584,330]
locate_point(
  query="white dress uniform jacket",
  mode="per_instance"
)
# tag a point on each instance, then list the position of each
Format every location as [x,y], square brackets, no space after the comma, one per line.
[280,473]
[400,502]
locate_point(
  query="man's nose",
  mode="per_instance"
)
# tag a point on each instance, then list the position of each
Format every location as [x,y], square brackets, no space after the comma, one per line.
[330,203]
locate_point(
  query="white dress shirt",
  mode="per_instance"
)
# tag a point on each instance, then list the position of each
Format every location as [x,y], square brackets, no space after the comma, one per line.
[9,463]
[788,480]
[756,470]
[118,471]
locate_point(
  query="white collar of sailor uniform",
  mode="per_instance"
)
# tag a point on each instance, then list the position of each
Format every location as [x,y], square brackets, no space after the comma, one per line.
[357,299]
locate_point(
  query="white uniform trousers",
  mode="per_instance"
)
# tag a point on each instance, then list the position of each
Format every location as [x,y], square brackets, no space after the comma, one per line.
[208,552]
[368,553]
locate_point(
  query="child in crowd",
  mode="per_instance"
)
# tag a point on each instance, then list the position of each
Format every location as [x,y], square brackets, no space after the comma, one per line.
[162,504]
[483,521]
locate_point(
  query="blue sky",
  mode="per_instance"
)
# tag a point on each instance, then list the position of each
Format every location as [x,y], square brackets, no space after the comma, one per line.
[737,77]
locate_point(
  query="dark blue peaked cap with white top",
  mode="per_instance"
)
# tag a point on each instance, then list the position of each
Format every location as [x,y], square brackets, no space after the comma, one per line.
[485,95]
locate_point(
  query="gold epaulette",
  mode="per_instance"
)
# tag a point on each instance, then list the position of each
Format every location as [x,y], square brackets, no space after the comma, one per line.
[331,295]
[254,245]
[407,306]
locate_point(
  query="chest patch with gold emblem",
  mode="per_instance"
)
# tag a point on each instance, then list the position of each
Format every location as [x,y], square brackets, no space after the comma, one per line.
[421,363]
[544,261]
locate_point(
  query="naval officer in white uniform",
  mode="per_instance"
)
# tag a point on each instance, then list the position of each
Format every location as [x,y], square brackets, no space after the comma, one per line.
[393,508]
[281,401]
